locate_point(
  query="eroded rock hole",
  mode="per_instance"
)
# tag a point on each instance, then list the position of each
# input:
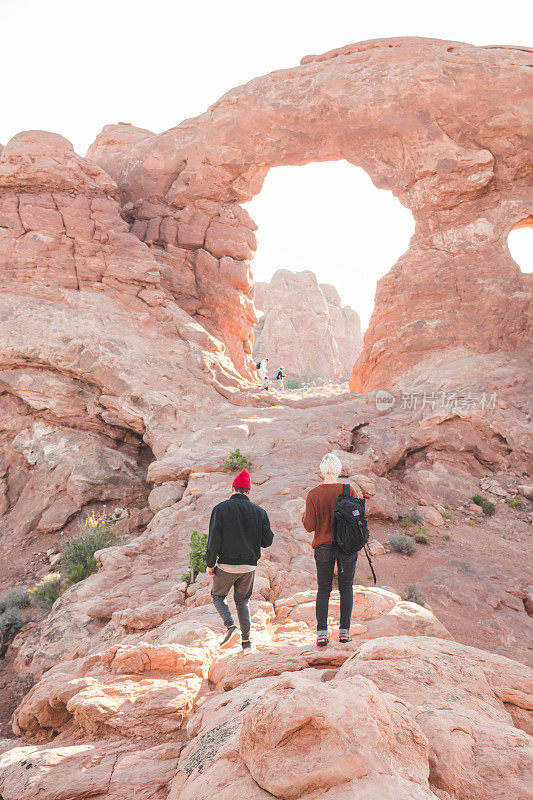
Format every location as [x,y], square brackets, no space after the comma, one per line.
[520,243]
[321,251]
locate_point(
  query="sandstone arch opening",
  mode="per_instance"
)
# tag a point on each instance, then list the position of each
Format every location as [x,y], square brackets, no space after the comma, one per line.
[325,219]
[520,244]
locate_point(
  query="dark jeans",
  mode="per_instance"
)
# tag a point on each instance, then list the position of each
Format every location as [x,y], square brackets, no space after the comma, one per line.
[243,584]
[325,557]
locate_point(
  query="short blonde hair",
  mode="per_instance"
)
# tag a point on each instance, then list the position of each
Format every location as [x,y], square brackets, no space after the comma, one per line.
[330,465]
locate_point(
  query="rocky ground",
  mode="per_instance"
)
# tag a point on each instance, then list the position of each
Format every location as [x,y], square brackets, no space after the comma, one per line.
[128,679]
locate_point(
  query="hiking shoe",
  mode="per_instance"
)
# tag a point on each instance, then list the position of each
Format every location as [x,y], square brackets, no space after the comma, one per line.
[344,638]
[247,648]
[230,638]
[322,640]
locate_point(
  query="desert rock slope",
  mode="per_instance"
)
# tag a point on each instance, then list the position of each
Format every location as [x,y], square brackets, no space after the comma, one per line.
[126,311]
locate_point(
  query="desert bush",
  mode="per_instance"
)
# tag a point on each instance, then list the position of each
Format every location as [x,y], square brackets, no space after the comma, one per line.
[413,514]
[197,553]
[413,594]
[10,625]
[446,537]
[17,597]
[515,502]
[447,514]
[47,590]
[410,517]
[186,578]
[483,502]
[237,461]
[401,543]
[293,383]
[422,536]
[96,533]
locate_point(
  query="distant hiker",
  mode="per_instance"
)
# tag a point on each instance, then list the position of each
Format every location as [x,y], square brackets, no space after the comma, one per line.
[318,517]
[262,368]
[280,374]
[267,383]
[238,529]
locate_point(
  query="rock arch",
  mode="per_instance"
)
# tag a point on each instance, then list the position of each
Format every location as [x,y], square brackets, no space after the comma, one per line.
[443,125]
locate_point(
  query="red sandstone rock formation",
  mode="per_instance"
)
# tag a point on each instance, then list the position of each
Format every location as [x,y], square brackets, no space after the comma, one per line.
[446,129]
[73,278]
[122,691]
[305,328]
[345,326]
[114,144]
[260,291]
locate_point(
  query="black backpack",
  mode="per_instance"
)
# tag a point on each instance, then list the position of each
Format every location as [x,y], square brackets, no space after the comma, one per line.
[258,365]
[350,528]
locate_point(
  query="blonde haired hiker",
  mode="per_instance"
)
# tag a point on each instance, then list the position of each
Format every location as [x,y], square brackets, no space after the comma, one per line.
[317,518]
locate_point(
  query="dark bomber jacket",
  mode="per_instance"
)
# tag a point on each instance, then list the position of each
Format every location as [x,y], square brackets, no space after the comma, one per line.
[238,529]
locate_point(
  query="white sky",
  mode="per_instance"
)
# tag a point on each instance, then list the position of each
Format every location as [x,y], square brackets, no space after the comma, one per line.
[73,66]
[329,217]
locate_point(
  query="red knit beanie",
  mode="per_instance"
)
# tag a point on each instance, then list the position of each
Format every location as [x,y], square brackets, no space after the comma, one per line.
[242,481]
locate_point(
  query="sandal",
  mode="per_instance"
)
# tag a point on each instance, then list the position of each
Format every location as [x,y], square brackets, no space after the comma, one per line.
[322,640]
[344,638]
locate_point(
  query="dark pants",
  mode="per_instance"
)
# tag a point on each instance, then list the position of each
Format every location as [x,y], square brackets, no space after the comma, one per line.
[325,557]
[243,584]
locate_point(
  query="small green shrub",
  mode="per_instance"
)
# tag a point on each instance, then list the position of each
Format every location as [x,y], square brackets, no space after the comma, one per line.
[96,533]
[514,502]
[197,553]
[422,536]
[17,597]
[405,522]
[401,543]
[413,594]
[186,577]
[47,590]
[237,461]
[10,625]
[471,521]
[446,537]
[446,506]
[447,514]
[293,383]
[487,505]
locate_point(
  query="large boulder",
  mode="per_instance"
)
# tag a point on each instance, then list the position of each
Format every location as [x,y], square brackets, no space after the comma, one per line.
[458,696]
[360,730]
[114,144]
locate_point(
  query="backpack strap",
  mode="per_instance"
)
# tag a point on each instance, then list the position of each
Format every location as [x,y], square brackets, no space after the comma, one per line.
[345,490]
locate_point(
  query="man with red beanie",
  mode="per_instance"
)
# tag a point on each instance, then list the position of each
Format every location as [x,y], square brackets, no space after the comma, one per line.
[238,529]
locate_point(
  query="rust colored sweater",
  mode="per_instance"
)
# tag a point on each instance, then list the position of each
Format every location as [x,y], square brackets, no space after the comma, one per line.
[319,508]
